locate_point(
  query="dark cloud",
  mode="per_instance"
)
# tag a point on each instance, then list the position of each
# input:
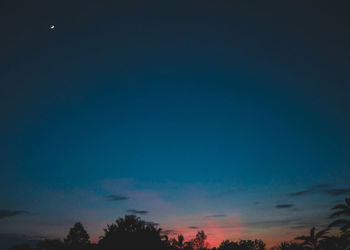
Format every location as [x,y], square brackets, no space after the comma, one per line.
[193,227]
[230,191]
[151,223]
[309,225]
[300,193]
[321,189]
[273,223]
[113,197]
[336,192]
[215,216]
[169,232]
[284,206]
[134,211]
[9,213]
[291,222]
[299,227]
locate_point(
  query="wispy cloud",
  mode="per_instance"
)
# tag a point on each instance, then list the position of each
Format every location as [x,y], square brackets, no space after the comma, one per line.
[9,213]
[291,222]
[169,232]
[281,206]
[337,191]
[215,216]
[300,193]
[193,227]
[321,189]
[151,223]
[113,197]
[273,223]
[135,211]
[230,192]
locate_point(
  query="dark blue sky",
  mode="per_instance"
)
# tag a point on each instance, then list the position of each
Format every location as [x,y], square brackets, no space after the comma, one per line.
[187,109]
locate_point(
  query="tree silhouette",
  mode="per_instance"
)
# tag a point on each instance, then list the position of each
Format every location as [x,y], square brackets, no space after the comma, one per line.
[21,247]
[131,232]
[200,241]
[336,243]
[227,245]
[288,246]
[312,240]
[50,245]
[251,245]
[77,237]
[178,243]
[343,210]
[242,245]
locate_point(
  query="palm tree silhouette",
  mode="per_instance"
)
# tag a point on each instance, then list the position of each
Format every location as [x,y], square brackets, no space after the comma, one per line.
[343,210]
[312,240]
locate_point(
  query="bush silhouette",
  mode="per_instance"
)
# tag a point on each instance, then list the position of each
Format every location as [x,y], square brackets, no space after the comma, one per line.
[132,233]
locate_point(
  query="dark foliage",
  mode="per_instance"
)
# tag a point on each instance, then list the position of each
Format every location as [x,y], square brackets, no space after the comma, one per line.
[242,245]
[342,210]
[77,238]
[312,241]
[132,233]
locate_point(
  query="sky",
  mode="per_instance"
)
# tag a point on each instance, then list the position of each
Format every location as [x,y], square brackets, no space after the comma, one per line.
[227,116]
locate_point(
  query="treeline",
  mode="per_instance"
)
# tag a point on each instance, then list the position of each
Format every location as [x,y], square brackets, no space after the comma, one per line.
[133,233]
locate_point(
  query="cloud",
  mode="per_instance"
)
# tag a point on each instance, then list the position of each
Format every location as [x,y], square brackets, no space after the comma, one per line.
[113,197]
[324,189]
[215,216]
[273,223]
[284,206]
[151,223]
[169,232]
[336,192]
[193,227]
[134,211]
[9,213]
[300,193]
[291,222]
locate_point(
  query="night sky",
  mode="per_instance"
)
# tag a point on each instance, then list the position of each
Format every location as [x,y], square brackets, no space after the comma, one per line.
[227,116]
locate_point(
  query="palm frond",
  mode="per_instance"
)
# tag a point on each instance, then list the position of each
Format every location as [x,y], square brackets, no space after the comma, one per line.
[339,213]
[321,234]
[347,200]
[339,222]
[345,227]
[340,206]
[305,238]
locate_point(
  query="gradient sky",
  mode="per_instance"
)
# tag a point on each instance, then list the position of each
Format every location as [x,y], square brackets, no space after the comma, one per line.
[227,116]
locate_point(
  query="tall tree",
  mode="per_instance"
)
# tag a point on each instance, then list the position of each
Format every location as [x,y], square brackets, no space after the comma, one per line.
[200,242]
[77,237]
